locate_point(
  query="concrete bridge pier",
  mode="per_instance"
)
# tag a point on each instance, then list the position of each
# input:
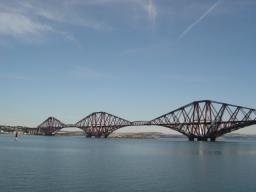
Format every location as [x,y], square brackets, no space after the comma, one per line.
[202,139]
[213,139]
[191,138]
[49,134]
[98,136]
[32,131]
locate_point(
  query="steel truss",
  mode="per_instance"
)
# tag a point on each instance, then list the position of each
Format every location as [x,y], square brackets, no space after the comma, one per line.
[101,124]
[207,119]
[50,126]
[202,120]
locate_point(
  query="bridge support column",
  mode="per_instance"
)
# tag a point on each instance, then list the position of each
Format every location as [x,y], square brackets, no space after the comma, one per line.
[202,139]
[191,139]
[88,135]
[213,139]
[49,134]
[98,136]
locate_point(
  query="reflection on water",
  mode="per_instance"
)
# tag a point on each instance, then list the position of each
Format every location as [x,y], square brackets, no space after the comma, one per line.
[36,163]
[206,152]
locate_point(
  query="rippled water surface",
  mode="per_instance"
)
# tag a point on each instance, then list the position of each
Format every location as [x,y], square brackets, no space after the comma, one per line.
[35,163]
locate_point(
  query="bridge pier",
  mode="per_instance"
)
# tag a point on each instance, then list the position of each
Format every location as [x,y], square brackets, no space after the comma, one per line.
[97,136]
[49,134]
[32,131]
[213,139]
[202,139]
[191,139]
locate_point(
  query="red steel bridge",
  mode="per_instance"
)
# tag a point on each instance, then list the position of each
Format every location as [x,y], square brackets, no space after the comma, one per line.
[202,120]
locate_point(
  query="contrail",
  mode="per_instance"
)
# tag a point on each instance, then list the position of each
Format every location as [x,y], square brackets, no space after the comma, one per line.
[191,26]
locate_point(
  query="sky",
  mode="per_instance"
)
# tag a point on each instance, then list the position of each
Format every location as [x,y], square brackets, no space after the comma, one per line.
[137,59]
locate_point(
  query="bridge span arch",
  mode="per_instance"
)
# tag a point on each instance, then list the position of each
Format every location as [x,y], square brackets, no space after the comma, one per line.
[201,120]
[50,126]
[101,124]
[206,119]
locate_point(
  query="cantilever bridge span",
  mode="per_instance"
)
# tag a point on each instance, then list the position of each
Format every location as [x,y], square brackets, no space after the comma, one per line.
[201,120]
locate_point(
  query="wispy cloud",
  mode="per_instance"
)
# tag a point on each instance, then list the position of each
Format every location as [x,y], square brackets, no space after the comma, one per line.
[147,8]
[18,25]
[25,21]
[203,16]
[21,19]
[150,8]
[33,19]
[152,11]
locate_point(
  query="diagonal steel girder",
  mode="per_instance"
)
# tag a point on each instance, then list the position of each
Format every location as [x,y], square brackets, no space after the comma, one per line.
[207,119]
[101,124]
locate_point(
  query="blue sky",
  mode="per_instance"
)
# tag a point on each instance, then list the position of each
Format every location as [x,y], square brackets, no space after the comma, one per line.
[137,59]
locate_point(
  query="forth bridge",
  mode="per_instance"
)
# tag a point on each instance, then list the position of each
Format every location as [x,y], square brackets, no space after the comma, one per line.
[200,120]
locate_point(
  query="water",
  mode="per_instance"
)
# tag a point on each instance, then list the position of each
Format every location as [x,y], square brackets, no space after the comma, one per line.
[35,163]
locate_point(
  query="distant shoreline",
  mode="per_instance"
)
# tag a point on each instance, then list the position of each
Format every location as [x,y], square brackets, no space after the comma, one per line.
[142,135]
